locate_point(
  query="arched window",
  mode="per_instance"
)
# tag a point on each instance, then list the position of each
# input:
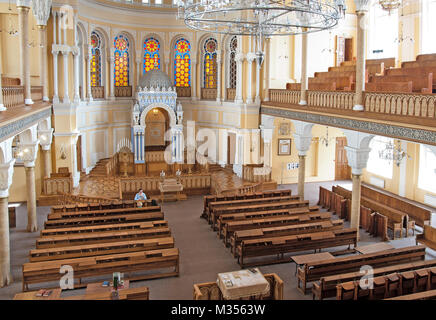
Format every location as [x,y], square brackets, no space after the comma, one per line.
[182,63]
[96,60]
[209,63]
[232,63]
[151,54]
[121,44]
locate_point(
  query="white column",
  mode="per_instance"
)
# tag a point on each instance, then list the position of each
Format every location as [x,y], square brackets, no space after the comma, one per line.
[88,73]
[46,137]
[218,76]
[267,67]
[55,77]
[303,140]
[59,14]
[23,7]
[111,77]
[54,27]
[239,58]
[76,54]
[6,173]
[250,58]
[357,154]
[2,106]
[303,91]
[362,7]
[66,87]
[257,98]
[267,130]
[194,80]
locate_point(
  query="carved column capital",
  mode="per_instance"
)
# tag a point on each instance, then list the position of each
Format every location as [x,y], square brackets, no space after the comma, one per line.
[45,138]
[6,173]
[28,153]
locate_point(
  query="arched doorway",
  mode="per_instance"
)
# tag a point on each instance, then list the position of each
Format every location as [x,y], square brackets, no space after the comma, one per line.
[157,122]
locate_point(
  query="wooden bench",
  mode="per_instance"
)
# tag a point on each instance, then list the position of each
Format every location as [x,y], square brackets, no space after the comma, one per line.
[128,263]
[105,228]
[343,83]
[141,293]
[420,83]
[122,218]
[397,220]
[287,244]
[216,213]
[242,235]
[415,212]
[400,87]
[323,86]
[315,270]
[428,237]
[264,194]
[228,228]
[224,218]
[101,237]
[99,249]
[387,286]
[326,286]
[425,295]
[217,205]
[211,291]
[105,212]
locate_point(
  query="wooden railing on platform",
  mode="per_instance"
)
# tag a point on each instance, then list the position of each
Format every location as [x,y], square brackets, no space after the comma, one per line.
[231,94]
[256,173]
[154,156]
[123,91]
[241,190]
[13,96]
[80,198]
[183,91]
[208,93]
[97,92]
[57,184]
[416,104]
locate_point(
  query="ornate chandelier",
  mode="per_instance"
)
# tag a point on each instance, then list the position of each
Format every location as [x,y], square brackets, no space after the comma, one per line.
[393,152]
[261,18]
[390,5]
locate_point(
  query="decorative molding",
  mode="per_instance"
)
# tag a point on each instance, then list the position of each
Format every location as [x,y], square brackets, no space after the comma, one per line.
[18,126]
[395,131]
[41,10]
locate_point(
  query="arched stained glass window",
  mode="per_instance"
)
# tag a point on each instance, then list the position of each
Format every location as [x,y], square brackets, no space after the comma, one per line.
[182,63]
[96,60]
[210,64]
[232,63]
[121,44]
[151,54]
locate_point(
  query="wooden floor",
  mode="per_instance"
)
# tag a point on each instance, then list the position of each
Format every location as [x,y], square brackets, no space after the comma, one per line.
[108,187]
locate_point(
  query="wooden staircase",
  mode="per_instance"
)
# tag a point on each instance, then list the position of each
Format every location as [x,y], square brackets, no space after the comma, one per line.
[100,168]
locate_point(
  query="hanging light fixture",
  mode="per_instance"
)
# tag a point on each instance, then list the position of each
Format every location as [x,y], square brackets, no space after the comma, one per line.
[261,18]
[12,31]
[393,153]
[390,5]
[325,140]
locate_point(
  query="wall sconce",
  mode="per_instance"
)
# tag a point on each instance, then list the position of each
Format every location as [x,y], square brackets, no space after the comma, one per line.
[63,153]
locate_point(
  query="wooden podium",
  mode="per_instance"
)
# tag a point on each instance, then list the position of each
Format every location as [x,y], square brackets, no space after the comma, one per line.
[170,189]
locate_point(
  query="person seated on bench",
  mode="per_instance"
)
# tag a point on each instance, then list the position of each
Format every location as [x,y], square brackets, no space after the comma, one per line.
[139,197]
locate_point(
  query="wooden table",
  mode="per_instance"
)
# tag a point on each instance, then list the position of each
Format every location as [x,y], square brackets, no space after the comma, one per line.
[31,295]
[306,258]
[97,288]
[242,284]
[373,248]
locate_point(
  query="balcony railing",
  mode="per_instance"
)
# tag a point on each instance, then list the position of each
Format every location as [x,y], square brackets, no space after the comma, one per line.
[13,96]
[97,92]
[231,94]
[183,92]
[123,91]
[402,104]
[208,94]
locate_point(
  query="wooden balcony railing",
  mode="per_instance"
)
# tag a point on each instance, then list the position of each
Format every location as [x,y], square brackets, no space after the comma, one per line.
[231,94]
[98,92]
[13,96]
[208,94]
[123,91]
[402,104]
[183,92]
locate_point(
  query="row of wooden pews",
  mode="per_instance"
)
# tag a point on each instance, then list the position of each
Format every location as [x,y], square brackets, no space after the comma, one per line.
[379,211]
[261,228]
[103,239]
[343,77]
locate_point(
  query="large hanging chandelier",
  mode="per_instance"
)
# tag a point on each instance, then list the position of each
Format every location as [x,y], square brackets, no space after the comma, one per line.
[393,153]
[261,18]
[390,5]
